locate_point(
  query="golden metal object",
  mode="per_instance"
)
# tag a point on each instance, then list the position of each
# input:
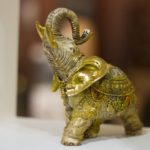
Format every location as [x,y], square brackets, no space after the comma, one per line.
[92,90]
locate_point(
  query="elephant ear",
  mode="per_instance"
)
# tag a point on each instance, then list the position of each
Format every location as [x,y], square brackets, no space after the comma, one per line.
[91,70]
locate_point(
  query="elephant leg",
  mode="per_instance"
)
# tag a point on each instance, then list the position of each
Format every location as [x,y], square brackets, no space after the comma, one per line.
[132,124]
[74,131]
[93,130]
[68,113]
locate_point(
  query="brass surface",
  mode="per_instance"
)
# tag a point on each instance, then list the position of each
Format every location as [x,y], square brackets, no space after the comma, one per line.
[93,91]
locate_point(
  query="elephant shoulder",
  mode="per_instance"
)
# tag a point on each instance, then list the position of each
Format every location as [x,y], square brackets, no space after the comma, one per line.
[89,71]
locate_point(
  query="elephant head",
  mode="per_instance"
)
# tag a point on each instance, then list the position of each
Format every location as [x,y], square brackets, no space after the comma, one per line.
[62,52]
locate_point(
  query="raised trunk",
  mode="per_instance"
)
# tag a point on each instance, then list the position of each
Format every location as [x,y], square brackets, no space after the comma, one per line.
[54,21]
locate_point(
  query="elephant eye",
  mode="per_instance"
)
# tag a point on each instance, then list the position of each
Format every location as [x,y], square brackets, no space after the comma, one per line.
[72,49]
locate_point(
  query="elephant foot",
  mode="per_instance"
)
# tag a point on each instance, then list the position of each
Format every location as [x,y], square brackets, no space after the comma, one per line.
[90,134]
[134,132]
[70,141]
[133,125]
[93,130]
[74,131]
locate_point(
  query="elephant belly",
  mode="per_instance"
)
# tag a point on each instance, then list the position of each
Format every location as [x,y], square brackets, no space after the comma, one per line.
[91,103]
[111,106]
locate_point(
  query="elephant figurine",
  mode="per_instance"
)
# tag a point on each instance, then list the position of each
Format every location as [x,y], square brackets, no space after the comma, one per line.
[92,90]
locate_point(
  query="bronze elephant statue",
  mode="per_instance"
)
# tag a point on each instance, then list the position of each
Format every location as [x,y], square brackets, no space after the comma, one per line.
[93,90]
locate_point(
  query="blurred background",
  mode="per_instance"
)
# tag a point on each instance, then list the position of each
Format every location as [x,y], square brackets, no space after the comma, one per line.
[121,36]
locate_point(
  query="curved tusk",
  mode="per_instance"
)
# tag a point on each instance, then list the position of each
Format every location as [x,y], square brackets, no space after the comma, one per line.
[50,37]
[40,29]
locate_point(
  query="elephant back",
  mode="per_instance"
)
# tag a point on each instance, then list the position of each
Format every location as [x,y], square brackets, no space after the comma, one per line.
[114,83]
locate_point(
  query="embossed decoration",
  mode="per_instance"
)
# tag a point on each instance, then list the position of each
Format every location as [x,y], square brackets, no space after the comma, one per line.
[92,90]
